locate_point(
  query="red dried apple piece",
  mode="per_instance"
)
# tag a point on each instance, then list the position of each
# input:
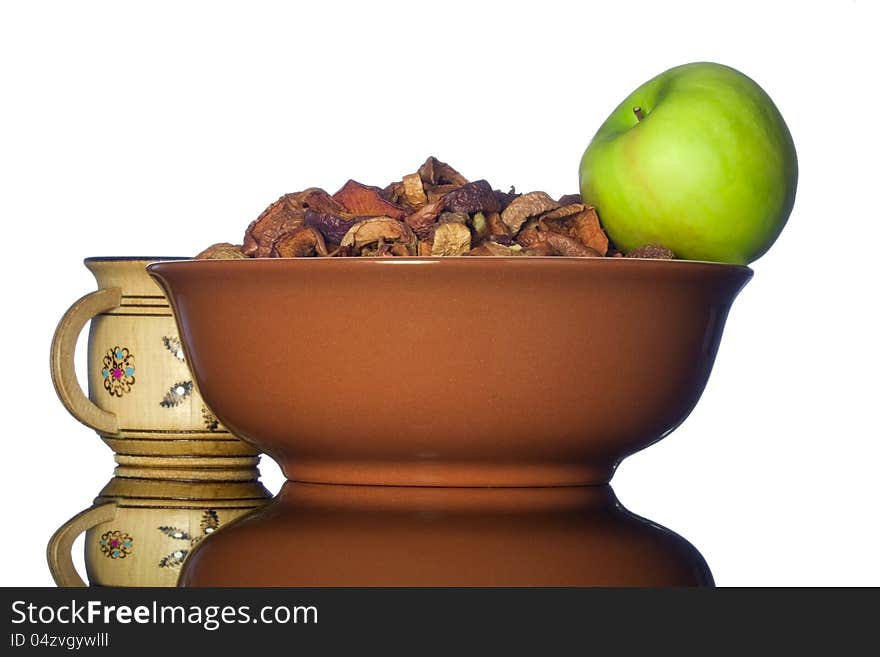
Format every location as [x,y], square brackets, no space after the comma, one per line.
[523,207]
[568,246]
[366,201]
[529,236]
[280,217]
[583,226]
[473,197]
[539,242]
[403,250]
[370,232]
[651,251]
[422,220]
[435,172]
[320,201]
[301,242]
[496,225]
[451,239]
[540,249]
[221,251]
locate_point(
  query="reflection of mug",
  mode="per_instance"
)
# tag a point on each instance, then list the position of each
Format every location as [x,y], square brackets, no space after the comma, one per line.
[142,399]
[141,529]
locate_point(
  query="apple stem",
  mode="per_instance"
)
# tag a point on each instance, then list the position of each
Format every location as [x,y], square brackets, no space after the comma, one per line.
[637,110]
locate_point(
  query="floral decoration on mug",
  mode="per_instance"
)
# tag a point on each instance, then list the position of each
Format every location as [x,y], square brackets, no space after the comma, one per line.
[118,371]
[116,544]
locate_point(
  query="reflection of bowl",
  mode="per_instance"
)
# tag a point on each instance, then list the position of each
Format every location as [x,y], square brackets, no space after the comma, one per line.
[450,371]
[320,535]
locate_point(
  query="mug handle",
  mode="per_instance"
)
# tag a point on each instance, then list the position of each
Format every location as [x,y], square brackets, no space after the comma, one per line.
[61,359]
[58,552]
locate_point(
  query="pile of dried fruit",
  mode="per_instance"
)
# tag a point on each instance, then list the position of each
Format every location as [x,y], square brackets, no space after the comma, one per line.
[432,212]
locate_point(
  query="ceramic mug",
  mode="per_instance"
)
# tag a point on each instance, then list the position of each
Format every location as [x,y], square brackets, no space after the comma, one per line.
[141,399]
[178,467]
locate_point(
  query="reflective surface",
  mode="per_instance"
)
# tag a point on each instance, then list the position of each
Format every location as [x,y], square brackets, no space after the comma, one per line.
[343,535]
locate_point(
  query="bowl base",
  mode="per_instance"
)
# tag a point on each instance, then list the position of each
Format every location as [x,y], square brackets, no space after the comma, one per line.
[452,474]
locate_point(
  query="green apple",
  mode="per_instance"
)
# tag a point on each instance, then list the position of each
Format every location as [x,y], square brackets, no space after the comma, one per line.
[697,159]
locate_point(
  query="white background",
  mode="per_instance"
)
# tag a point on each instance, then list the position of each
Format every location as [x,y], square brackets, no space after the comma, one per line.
[162,127]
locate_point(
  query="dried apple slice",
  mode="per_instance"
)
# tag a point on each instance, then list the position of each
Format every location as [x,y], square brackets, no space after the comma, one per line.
[435,172]
[496,225]
[546,242]
[282,216]
[583,226]
[332,226]
[221,251]
[422,220]
[563,211]
[437,192]
[490,248]
[320,201]
[471,198]
[453,218]
[651,251]
[413,191]
[523,207]
[568,199]
[366,201]
[301,242]
[480,225]
[540,249]
[393,192]
[451,239]
[504,198]
[568,246]
[370,232]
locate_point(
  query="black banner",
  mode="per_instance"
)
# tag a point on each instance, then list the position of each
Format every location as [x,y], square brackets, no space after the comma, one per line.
[417,621]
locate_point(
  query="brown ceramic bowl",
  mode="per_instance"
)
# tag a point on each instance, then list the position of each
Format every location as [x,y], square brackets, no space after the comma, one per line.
[450,371]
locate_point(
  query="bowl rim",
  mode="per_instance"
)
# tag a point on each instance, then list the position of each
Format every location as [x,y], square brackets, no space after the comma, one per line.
[421,260]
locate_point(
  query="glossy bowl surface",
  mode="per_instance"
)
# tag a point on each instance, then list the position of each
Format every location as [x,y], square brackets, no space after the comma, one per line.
[450,371]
